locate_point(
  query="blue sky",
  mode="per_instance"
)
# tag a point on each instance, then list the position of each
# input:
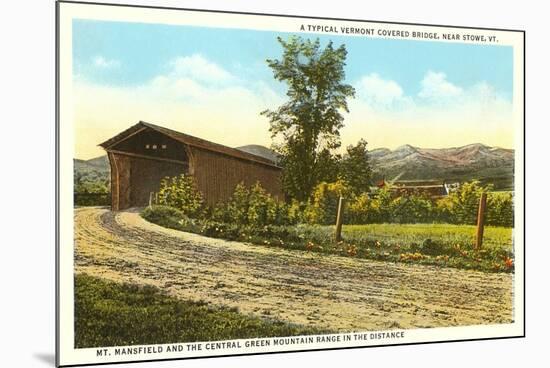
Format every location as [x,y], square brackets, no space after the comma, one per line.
[398,81]
[144,50]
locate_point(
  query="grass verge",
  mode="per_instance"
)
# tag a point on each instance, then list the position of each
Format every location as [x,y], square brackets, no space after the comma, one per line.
[444,245]
[112,314]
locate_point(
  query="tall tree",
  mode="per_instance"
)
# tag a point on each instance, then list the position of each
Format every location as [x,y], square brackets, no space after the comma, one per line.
[355,167]
[309,122]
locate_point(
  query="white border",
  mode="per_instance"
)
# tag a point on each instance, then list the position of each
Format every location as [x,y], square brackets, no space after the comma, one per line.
[68,12]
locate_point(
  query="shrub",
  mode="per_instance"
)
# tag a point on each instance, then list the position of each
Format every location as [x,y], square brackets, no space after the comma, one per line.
[430,247]
[255,207]
[500,209]
[219,229]
[323,206]
[295,212]
[359,210]
[462,205]
[381,206]
[237,206]
[411,209]
[181,192]
[366,209]
[166,216]
[443,211]
[262,209]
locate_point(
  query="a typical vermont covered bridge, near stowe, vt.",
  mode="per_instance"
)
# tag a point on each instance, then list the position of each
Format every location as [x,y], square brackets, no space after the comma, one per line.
[145,153]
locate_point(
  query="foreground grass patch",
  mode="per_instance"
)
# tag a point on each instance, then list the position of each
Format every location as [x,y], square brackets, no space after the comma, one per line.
[111,314]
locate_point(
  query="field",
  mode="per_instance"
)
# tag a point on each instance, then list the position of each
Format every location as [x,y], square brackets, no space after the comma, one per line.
[500,237]
[440,244]
[300,288]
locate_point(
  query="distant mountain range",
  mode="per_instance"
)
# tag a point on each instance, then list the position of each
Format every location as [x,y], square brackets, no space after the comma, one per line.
[474,161]
[261,151]
[99,164]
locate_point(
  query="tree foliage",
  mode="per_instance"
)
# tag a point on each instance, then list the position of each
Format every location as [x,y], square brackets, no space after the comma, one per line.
[355,168]
[309,122]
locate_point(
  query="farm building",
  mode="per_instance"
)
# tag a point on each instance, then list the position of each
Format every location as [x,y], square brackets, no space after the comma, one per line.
[145,153]
[429,188]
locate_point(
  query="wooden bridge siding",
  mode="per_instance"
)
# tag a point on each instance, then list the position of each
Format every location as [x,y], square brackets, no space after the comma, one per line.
[217,175]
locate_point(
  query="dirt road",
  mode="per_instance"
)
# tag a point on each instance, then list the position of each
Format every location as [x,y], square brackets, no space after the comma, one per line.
[307,288]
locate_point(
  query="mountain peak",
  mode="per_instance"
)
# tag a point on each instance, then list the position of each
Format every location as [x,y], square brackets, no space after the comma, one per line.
[261,151]
[407,148]
[475,146]
[475,160]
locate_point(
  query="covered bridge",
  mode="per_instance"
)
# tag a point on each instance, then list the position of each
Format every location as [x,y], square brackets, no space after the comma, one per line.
[145,153]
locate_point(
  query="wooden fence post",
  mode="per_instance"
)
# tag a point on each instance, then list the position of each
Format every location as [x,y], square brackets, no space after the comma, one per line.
[480,220]
[151,199]
[339,220]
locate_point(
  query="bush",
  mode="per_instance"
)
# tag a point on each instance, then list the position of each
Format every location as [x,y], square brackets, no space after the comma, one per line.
[500,209]
[461,206]
[262,208]
[411,209]
[295,212]
[255,207]
[431,247]
[365,209]
[166,216]
[91,189]
[237,206]
[92,199]
[181,192]
[219,230]
[323,206]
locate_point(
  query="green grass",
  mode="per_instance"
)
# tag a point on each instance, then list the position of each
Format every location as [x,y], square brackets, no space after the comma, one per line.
[436,244]
[444,245]
[494,237]
[111,314]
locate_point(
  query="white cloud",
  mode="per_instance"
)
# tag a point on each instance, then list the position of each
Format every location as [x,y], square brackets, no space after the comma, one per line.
[201,98]
[441,114]
[188,97]
[437,96]
[378,92]
[196,67]
[103,63]
[436,87]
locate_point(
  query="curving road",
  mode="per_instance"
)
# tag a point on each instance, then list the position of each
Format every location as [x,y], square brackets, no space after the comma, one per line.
[332,292]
